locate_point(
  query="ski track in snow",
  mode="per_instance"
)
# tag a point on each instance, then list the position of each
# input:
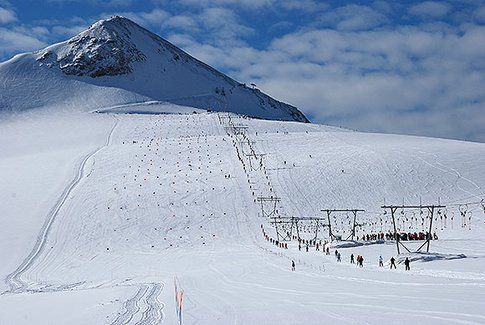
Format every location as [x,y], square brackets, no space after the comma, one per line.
[131,306]
[14,280]
[152,315]
[447,169]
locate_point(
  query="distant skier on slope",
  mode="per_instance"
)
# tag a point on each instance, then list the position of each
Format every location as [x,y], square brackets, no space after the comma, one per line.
[381,262]
[293,265]
[339,257]
[406,263]
[352,261]
[393,262]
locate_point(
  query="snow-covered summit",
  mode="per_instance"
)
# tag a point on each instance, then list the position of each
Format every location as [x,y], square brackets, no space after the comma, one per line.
[105,49]
[116,61]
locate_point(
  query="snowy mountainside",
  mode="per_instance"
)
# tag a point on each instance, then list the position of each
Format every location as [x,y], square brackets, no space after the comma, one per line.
[99,221]
[117,62]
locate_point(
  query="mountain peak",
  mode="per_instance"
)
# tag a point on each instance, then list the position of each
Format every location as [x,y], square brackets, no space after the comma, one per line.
[104,49]
[114,23]
[117,53]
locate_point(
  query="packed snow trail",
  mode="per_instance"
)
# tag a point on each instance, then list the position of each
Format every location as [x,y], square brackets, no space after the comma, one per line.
[14,280]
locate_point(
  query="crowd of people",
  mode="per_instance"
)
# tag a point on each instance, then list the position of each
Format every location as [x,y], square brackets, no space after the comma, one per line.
[357,260]
[402,236]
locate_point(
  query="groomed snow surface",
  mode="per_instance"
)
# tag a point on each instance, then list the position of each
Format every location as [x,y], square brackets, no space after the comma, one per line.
[102,210]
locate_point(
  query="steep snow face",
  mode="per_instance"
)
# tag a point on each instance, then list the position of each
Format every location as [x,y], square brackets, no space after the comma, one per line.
[118,54]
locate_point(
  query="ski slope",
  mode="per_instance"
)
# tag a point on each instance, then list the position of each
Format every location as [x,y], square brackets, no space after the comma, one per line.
[102,210]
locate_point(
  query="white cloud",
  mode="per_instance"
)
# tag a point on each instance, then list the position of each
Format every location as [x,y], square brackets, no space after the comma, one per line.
[223,24]
[217,3]
[40,30]
[7,16]
[354,17]
[216,25]
[147,19]
[12,41]
[105,3]
[155,17]
[480,14]
[404,80]
[303,5]
[431,9]
[67,31]
[182,22]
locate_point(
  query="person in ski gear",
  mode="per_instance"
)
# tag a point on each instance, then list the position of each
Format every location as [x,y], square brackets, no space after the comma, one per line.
[339,257]
[352,261]
[393,262]
[406,263]
[381,263]
[293,265]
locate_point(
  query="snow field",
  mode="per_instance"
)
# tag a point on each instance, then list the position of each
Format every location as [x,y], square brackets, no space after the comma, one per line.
[165,195]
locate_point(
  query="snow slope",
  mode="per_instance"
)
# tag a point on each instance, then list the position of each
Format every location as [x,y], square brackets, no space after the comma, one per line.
[117,62]
[143,198]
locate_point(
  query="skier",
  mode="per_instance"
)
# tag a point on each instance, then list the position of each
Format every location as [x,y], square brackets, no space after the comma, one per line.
[307,248]
[293,265]
[381,263]
[338,257]
[406,263]
[393,262]
[352,261]
[336,252]
[299,246]
[361,261]
[327,252]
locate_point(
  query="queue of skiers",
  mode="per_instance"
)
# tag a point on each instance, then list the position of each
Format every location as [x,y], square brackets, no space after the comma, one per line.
[273,241]
[359,260]
[404,236]
[309,242]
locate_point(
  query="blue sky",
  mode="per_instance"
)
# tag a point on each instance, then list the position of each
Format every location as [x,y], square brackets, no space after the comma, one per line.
[413,67]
